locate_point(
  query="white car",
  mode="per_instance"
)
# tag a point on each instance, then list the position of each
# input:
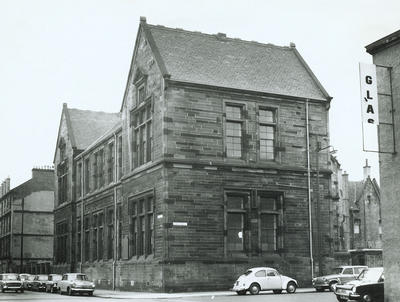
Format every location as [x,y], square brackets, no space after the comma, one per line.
[75,283]
[264,278]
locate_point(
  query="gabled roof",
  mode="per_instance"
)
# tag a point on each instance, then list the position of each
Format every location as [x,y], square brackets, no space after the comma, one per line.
[216,60]
[87,126]
[356,189]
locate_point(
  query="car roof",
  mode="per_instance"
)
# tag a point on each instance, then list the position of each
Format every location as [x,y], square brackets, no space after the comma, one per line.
[261,267]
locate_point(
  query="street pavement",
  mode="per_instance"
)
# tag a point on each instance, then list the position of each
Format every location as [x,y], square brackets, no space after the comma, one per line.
[302,295]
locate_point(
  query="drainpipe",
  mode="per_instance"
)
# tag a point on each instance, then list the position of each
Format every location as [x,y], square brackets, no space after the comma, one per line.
[309,192]
[22,236]
[116,225]
[82,209]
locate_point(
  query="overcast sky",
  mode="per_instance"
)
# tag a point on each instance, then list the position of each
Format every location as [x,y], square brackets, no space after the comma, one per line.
[79,52]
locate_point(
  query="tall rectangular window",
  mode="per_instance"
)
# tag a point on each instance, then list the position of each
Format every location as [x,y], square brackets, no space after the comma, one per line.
[86,226]
[357,223]
[269,220]
[87,175]
[119,214]
[233,131]
[142,134]
[94,237]
[62,173]
[110,233]
[61,242]
[78,180]
[141,226]
[110,162]
[119,156]
[100,239]
[267,127]
[78,239]
[133,228]
[100,173]
[236,214]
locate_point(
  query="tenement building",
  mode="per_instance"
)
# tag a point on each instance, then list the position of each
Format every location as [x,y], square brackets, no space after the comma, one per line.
[26,224]
[208,169]
[386,57]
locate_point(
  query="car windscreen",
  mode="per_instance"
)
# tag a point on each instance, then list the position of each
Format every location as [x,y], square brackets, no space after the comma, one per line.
[81,277]
[371,274]
[56,277]
[10,277]
[247,273]
[43,277]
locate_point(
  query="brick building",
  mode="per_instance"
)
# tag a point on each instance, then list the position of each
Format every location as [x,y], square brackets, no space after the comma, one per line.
[202,174]
[26,224]
[386,56]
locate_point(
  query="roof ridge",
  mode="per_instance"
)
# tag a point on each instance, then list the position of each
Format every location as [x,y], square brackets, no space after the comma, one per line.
[87,110]
[222,38]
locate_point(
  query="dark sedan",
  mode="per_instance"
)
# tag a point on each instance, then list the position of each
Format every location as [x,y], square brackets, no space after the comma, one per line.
[368,287]
[39,282]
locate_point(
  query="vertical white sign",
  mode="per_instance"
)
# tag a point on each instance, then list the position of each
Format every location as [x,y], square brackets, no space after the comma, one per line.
[369,94]
[369,106]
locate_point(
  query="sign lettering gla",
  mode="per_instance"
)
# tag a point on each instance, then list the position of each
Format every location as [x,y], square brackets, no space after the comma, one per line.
[369,94]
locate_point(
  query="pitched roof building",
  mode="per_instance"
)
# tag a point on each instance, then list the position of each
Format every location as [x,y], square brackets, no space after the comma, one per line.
[204,168]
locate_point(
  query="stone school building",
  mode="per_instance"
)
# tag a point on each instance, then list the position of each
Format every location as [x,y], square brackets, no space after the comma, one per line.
[202,174]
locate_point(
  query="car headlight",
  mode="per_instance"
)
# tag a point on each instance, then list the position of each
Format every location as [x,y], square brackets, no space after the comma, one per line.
[73,284]
[93,285]
[324,279]
[354,289]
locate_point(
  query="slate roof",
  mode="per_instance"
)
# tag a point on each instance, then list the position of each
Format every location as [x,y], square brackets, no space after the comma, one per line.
[233,63]
[355,190]
[87,126]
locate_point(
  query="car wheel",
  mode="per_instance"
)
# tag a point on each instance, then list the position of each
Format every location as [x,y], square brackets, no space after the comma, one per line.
[291,288]
[241,292]
[254,289]
[59,290]
[277,291]
[367,298]
[2,289]
[22,290]
[340,299]
[90,294]
[331,289]
[69,291]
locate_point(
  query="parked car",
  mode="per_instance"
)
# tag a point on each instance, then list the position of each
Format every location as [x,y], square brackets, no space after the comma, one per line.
[39,282]
[27,283]
[367,287]
[75,283]
[24,279]
[51,284]
[341,274]
[10,282]
[264,278]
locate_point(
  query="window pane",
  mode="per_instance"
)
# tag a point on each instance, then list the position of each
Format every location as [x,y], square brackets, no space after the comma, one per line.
[268,232]
[235,231]
[266,116]
[233,112]
[236,202]
[268,203]
[261,274]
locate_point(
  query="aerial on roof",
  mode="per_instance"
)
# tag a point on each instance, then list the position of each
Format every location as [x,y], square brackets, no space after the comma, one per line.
[87,126]
[217,60]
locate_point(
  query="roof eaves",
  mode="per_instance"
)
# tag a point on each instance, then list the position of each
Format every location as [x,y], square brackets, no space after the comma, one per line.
[239,90]
[383,43]
[311,73]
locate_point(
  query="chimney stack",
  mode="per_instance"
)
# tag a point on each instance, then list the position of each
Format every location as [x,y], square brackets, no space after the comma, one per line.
[367,170]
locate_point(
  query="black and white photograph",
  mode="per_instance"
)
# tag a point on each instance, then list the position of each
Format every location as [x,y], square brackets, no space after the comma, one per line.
[215,150]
